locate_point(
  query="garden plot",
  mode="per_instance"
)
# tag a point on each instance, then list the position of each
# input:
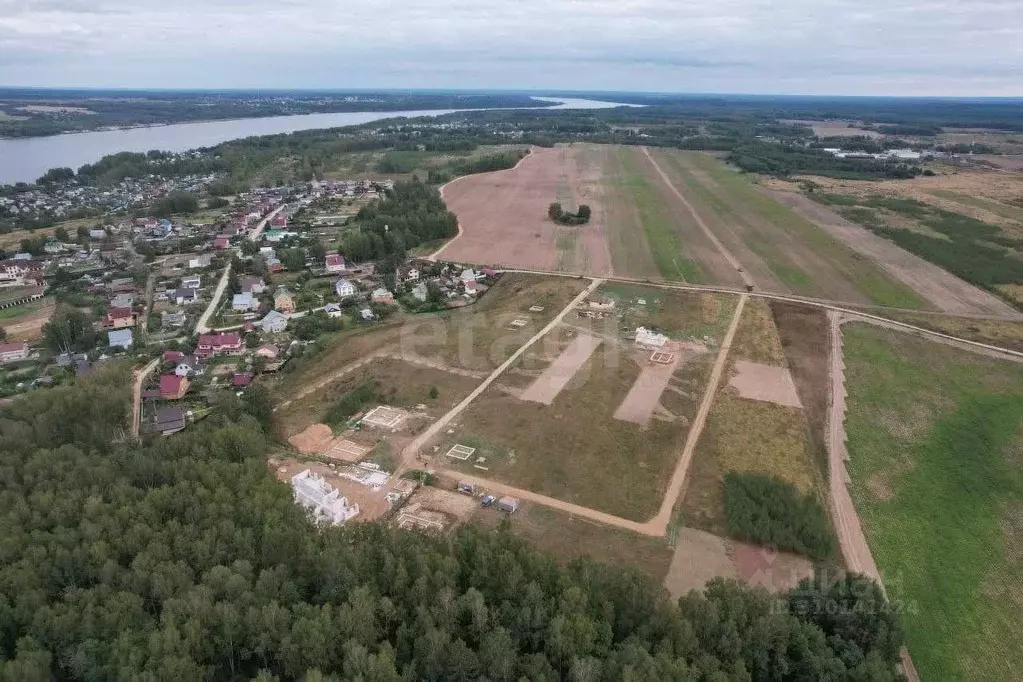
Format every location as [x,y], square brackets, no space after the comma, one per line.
[770,384]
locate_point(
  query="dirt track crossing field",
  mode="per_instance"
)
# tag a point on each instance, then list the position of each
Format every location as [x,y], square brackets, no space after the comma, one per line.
[549,384]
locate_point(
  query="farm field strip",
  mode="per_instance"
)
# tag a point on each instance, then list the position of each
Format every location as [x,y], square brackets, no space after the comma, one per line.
[784,251]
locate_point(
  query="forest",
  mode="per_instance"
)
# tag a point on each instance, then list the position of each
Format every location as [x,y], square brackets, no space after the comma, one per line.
[410,214]
[183,558]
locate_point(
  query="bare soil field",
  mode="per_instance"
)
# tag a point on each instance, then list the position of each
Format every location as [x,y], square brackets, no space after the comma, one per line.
[503,215]
[766,383]
[836,128]
[700,556]
[1012,163]
[29,326]
[941,288]
[372,503]
[778,249]
[549,384]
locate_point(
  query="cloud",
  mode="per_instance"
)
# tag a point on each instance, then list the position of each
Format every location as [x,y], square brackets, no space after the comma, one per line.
[813,46]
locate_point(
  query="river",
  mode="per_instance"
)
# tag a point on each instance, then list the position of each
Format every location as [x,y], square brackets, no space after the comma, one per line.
[25,159]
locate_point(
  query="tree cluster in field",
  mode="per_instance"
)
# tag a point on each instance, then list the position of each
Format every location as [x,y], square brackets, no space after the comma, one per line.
[175,203]
[183,558]
[559,215]
[410,214]
[771,512]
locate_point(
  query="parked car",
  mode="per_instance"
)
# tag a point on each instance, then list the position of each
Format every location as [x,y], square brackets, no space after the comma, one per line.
[488,500]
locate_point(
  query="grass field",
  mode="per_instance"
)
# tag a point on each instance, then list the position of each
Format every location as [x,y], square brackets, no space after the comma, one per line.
[394,382]
[657,224]
[568,538]
[574,449]
[781,250]
[11,314]
[748,436]
[935,437]
[1013,213]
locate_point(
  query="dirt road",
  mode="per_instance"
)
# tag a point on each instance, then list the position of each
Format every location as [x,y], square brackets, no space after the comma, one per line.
[202,326]
[412,450]
[136,395]
[732,260]
[851,538]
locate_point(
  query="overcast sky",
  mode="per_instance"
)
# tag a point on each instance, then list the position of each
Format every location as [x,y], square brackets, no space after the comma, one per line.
[885,47]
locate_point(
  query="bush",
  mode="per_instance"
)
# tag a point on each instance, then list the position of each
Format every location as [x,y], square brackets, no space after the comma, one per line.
[773,513]
[556,213]
[351,402]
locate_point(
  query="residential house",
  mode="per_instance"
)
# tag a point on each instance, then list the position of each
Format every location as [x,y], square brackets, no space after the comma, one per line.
[268,351]
[190,366]
[169,420]
[382,295]
[420,292]
[120,338]
[325,502]
[227,343]
[192,282]
[280,221]
[408,275]
[185,296]
[470,288]
[469,275]
[334,262]
[119,318]
[273,264]
[274,322]
[333,310]
[173,387]
[241,380]
[252,285]
[19,270]
[274,236]
[13,352]
[97,234]
[343,288]
[174,318]
[122,301]
[244,302]
[174,356]
[222,242]
[366,314]
[284,301]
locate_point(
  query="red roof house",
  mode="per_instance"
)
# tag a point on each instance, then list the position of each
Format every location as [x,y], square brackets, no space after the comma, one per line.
[241,380]
[118,318]
[173,387]
[220,344]
[173,356]
[222,242]
[279,220]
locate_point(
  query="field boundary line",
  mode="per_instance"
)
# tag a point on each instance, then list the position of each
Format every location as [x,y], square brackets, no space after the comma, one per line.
[678,477]
[732,260]
[413,448]
[851,538]
[136,395]
[436,254]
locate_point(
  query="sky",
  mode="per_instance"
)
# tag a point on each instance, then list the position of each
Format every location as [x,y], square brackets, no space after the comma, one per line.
[826,47]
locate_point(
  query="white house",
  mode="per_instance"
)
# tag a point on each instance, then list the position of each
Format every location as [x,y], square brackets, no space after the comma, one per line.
[274,322]
[191,282]
[408,275]
[325,501]
[647,337]
[244,302]
[333,310]
[382,295]
[343,288]
[119,338]
[420,292]
[190,366]
[469,275]
[334,262]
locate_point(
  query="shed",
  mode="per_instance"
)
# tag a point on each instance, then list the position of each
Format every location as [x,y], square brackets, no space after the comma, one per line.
[508,504]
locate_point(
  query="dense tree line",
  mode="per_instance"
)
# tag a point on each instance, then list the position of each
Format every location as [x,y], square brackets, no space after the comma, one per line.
[412,213]
[771,512]
[783,159]
[182,558]
[174,203]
